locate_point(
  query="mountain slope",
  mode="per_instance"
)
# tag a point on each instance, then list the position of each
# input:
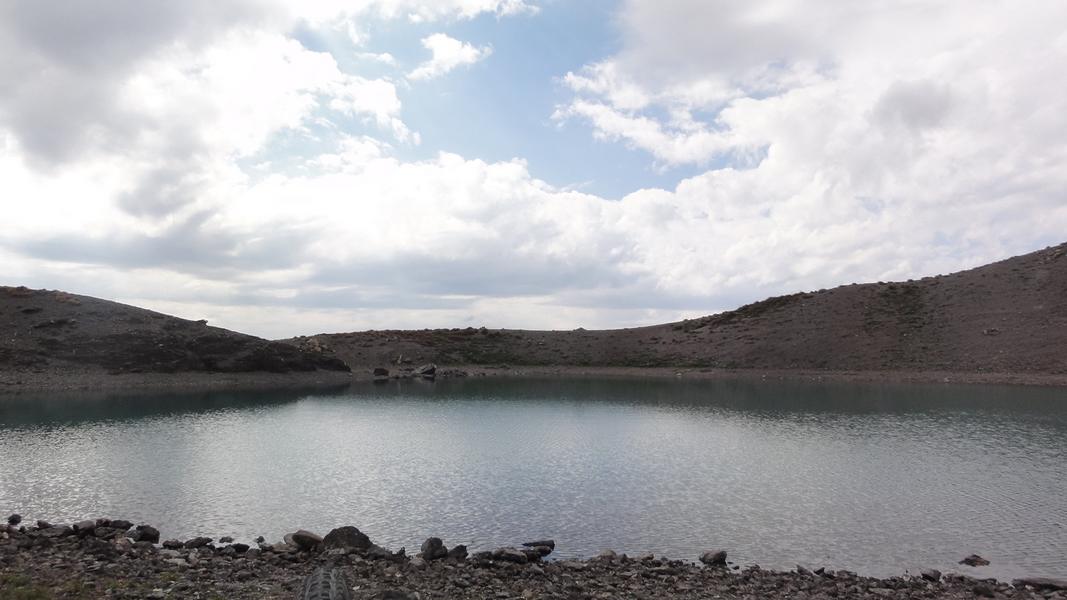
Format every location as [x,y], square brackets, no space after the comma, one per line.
[1008,317]
[41,329]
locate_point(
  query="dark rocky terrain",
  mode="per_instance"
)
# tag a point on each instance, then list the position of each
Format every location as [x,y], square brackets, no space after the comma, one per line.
[114,559]
[50,331]
[1006,317]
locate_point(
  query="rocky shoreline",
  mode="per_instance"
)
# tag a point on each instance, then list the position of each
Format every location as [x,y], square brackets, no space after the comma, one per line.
[114,558]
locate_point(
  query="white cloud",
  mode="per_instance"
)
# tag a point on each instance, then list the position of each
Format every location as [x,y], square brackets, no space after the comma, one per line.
[448,54]
[839,142]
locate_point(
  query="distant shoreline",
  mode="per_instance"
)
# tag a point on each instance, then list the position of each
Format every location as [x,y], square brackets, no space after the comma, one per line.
[71,380]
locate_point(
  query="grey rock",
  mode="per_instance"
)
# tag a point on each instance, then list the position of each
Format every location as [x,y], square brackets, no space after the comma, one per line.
[380,372]
[931,575]
[426,370]
[303,539]
[197,542]
[56,531]
[549,543]
[510,555]
[434,549]
[1041,583]
[145,533]
[607,555]
[458,552]
[984,590]
[241,548]
[120,524]
[347,537]
[714,558]
[14,519]
[974,561]
[173,544]
[84,528]
[43,524]
[226,539]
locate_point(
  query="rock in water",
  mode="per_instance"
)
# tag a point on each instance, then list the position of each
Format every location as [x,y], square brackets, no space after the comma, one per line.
[932,575]
[426,370]
[84,528]
[121,524]
[434,549]
[197,542]
[14,519]
[974,561]
[714,558]
[347,537]
[305,540]
[458,552]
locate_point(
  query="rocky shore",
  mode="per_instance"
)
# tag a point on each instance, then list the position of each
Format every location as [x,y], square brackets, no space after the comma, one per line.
[113,558]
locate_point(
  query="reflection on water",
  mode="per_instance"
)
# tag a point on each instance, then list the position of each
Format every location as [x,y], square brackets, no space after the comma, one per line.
[872,478]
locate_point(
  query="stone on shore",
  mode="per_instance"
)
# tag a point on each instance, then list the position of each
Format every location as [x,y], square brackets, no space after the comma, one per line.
[1041,583]
[120,524]
[457,552]
[714,558]
[14,520]
[304,540]
[428,370]
[434,549]
[197,542]
[931,575]
[348,538]
[145,533]
[510,555]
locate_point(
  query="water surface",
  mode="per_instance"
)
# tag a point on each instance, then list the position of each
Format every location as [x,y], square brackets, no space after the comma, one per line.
[878,479]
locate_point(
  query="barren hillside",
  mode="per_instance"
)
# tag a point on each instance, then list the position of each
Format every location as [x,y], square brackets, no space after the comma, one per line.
[48,330]
[1008,317]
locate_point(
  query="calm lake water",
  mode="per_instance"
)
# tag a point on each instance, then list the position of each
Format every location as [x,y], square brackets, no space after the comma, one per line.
[878,479]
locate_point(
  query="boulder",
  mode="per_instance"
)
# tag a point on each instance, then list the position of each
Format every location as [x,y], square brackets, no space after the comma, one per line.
[714,558]
[426,370]
[931,575]
[974,561]
[197,542]
[303,539]
[145,533]
[120,524]
[551,544]
[347,537]
[434,549]
[607,555]
[41,524]
[380,372]
[510,555]
[458,552]
[173,544]
[226,539]
[56,531]
[14,520]
[84,528]
[241,548]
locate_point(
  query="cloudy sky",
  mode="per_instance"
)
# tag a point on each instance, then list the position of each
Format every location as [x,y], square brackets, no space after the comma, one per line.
[287,167]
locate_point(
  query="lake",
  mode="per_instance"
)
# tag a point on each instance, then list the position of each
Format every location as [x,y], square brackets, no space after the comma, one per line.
[873,478]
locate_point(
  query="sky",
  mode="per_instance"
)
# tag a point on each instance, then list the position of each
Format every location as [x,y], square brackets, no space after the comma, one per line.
[285,167]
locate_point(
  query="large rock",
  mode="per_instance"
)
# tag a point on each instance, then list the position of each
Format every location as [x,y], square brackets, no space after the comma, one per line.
[931,575]
[86,527]
[510,555]
[197,542]
[434,549]
[347,537]
[303,539]
[714,558]
[426,370]
[145,533]
[14,520]
[458,552]
[120,524]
